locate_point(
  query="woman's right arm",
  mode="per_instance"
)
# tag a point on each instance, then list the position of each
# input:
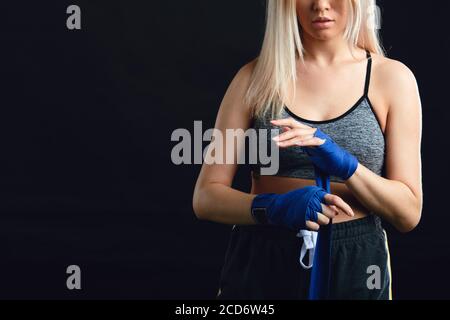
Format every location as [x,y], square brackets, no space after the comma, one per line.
[214,199]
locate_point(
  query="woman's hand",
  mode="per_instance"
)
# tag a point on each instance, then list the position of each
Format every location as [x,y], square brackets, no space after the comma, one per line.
[322,150]
[334,206]
[303,208]
[296,134]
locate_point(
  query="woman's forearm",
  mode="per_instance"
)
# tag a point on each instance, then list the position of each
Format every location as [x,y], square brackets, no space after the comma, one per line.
[392,200]
[220,203]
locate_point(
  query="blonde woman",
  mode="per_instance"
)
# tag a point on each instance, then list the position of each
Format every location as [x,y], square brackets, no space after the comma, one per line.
[343,109]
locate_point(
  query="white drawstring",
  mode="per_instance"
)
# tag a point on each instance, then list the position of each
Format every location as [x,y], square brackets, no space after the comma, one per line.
[309,243]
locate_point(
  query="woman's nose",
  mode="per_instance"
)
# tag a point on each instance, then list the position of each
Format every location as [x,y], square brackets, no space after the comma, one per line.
[321,5]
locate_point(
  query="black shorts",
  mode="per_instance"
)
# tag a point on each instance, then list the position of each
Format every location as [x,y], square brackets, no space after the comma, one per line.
[262,262]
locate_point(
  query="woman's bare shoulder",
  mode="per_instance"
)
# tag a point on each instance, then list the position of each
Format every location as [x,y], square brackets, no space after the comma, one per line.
[390,79]
[237,89]
[390,71]
[245,72]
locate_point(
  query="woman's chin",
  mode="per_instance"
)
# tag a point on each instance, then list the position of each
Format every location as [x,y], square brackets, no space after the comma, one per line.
[324,35]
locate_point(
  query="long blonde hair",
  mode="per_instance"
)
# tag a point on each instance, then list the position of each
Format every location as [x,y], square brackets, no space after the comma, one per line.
[275,69]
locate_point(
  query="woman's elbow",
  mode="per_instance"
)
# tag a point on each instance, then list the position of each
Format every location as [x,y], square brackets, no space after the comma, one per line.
[198,205]
[410,222]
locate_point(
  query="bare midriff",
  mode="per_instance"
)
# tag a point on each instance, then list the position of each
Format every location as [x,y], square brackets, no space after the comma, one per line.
[277,184]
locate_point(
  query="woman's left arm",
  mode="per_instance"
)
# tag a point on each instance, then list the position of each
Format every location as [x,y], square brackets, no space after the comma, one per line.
[397,197]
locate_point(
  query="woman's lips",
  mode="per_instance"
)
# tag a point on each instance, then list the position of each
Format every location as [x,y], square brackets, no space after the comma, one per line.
[324,24]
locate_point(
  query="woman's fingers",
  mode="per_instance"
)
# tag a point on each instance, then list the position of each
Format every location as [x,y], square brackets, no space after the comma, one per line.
[322,220]
[335,206]
[329,211]
[312,225]
[339,211]
[332,199]
[289,122]
[295,133]
[303,140]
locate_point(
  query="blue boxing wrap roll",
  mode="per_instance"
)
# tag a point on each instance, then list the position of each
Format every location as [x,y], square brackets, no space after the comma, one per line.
[319,287]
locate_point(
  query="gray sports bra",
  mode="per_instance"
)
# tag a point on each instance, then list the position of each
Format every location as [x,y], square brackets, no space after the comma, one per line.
[357,130]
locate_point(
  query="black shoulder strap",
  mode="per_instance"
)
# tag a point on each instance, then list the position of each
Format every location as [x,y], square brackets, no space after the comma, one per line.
[369,68]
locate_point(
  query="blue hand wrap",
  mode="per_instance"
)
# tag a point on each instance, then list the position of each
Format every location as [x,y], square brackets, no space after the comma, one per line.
[331,158]
[291,209]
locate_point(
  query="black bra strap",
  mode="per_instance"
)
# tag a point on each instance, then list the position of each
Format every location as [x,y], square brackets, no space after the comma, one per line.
[369,68]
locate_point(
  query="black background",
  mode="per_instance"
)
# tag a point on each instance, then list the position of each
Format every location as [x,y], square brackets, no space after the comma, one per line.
[86,175]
